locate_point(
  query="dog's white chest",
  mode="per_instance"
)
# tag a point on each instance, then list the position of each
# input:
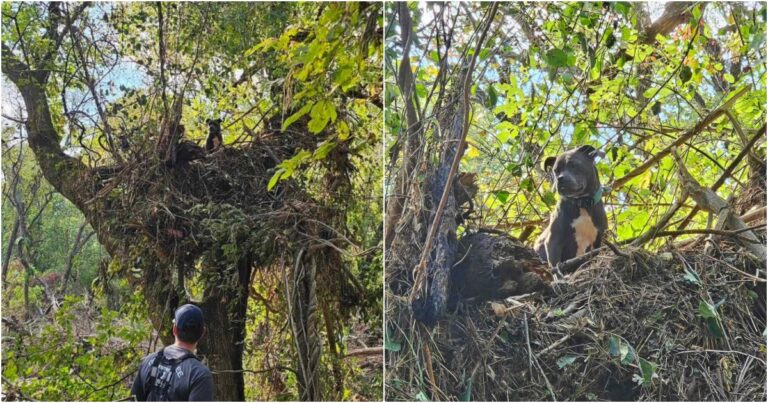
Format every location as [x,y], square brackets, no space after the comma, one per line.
[584,230]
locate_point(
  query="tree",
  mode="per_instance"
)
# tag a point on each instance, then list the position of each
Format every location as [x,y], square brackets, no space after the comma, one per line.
[180,225]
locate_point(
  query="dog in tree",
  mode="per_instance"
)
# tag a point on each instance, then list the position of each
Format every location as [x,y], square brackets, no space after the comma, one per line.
[578,222]
[214,140]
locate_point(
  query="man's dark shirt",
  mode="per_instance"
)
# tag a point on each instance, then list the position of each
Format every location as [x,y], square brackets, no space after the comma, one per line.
[191,380]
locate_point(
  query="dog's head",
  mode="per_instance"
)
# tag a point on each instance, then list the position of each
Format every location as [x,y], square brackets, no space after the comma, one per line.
[573,172]
[214,125]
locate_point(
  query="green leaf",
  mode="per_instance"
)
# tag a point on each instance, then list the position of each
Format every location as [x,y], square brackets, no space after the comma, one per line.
[581,133]
[322,151]
[691,276]
[342,130]
[566,361]
[502,195]
[685,74]
[696,12]
[514,169]
[392,346]
[560,58]
[421,90]
[527,184]
[707,310]
[623,351]
[656,108]
[648,370]
[493,97]
[296,116]
[714,327]
[467,395]
[323,113]
[422,397]
[728,77]
[549,198]
[613,346]
[275,178]
[630,355]
[622,7]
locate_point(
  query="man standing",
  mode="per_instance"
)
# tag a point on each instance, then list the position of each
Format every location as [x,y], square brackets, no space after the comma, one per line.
[174,373]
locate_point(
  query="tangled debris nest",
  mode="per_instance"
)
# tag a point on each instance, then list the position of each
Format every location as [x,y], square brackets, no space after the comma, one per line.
[678,325]
[203,217]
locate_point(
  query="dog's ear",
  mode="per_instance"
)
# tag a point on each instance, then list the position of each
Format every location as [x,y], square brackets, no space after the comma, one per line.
[548,163]
[220,120]
[590,151]
[207,121]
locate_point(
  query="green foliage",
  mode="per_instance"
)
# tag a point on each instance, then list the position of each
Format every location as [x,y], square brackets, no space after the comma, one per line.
[565,361]
[618,347]
[588,75]
[710,315]
[71,359]
[326,76]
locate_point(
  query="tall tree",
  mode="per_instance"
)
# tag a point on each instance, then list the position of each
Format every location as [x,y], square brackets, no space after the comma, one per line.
[180,225]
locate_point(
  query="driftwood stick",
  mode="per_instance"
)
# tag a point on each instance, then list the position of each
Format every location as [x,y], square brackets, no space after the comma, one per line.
[366,351]
[708,200]
[728,170]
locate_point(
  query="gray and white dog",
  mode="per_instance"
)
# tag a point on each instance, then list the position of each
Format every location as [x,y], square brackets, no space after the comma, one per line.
[578,222]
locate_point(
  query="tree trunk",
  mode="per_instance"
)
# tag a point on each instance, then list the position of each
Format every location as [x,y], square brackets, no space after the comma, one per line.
[302,312]
[9,251]
[79,242]
[430,289]
[222,346]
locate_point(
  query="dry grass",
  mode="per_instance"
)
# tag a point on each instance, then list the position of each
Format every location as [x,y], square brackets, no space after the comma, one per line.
[510,350]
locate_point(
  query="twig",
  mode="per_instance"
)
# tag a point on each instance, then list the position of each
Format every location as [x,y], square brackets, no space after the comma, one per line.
[722,352]
[554,345]
[430,370]
[571,265]
[161,56]
[615,249]
[533,358]
[252,371]
[732,233]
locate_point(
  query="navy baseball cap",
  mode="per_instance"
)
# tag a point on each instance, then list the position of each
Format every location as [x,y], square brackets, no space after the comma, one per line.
[189,322]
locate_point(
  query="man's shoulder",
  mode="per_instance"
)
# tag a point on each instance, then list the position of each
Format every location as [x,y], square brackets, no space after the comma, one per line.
[149,358]
[197,364]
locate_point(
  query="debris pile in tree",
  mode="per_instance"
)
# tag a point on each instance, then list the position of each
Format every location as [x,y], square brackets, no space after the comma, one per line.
[673,325]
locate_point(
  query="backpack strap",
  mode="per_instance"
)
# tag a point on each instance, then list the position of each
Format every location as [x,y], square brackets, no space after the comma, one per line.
[156,363]
[153,370]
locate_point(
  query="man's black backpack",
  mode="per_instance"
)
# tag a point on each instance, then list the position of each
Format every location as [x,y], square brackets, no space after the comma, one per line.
[160,375]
